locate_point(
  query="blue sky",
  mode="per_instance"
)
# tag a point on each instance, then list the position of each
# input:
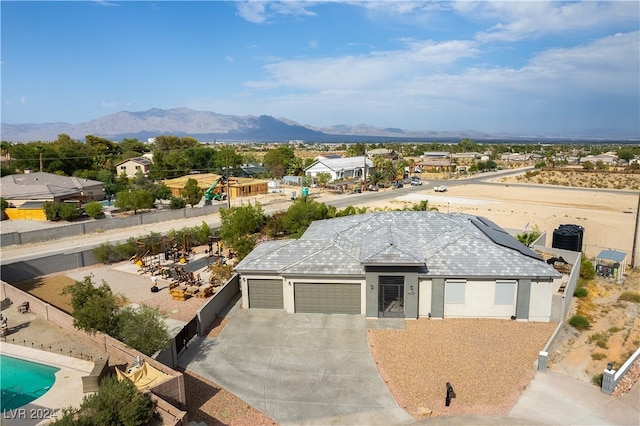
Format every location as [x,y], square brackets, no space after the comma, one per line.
[552,68]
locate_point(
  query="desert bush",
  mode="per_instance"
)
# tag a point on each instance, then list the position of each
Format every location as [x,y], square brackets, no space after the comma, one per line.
[596,379]
[93,209]
[630,296]
[579,322]
[580,292]
[614,329]
[598,356]
[104,253]
[600,339]
[587,270]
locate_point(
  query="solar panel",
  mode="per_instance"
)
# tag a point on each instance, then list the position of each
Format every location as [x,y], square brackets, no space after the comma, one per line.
[501,237]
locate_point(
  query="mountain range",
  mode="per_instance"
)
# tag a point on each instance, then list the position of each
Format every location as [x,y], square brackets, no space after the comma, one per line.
[207,126]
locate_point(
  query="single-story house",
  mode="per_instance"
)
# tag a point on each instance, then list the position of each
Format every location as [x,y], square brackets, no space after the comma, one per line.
[435,154]
[401,264]
[18,189]
[132,166]
[340,168]
[605,158]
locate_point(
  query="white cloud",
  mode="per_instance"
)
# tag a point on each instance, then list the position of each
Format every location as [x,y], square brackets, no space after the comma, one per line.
[557,87]
[109,105]
[23,100]
[252,11]
[365,71]
[519,20]
[229,58]
[259,12]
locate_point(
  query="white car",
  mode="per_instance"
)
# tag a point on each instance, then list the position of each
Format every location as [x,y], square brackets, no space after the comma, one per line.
[441,188]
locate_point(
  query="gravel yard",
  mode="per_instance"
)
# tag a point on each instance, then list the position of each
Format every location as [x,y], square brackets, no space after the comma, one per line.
[488,362]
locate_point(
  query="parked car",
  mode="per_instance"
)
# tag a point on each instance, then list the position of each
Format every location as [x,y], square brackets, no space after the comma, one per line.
[398,184]
[416,182]
[441,188]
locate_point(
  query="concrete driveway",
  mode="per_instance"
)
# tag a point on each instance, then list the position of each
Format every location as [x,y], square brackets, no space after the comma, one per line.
[298,368]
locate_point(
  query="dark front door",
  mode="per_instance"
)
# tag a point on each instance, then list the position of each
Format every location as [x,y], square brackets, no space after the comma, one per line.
[391,296]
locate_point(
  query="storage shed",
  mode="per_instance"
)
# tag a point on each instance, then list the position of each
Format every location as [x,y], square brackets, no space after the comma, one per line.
[611,264]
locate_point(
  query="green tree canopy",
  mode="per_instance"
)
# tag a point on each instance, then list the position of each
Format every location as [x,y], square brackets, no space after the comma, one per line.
[277,160]
[143,329]
[134,200]
[117,402]
[192,192]
[94,308]
[237,225]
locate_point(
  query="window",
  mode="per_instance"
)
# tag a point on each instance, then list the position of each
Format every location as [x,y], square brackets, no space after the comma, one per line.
[505,292]
[454,291]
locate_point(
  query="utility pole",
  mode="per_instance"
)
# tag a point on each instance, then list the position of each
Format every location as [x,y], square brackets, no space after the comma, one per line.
[226,172]
[364,169]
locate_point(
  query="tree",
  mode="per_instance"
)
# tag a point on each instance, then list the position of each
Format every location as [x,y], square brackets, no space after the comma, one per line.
[277,160]
[356,150]
[50,210]
[143,329]
[177,203]
[117,402]
[94,308]
[192,192]
[300,215]
[238,223]
[134,200]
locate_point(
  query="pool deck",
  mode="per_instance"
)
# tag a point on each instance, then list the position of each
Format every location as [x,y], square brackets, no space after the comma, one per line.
[66,391]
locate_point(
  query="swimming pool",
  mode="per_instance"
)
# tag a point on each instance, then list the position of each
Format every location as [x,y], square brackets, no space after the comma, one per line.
[23,381]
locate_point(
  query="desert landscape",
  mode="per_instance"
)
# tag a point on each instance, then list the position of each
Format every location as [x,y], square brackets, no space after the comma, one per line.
[608,218]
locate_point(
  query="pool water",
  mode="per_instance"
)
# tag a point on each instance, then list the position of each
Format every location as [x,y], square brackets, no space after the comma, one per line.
[23,381]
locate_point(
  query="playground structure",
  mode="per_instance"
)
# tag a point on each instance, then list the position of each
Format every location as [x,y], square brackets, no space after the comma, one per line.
[188,274]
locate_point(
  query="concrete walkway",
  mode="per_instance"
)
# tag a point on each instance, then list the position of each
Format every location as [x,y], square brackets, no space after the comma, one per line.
[298,369]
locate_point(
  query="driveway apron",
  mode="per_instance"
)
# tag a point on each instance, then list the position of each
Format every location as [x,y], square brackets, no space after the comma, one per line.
[298,368]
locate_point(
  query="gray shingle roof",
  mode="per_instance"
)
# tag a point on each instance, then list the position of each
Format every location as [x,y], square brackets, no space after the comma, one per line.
[450,245]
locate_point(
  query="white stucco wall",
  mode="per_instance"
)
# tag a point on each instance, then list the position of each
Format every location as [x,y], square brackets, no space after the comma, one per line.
[540,301]
[424,298]
[479,302]
[320,168]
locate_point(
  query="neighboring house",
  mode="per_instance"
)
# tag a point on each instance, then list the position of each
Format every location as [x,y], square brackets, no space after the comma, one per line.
[435,155]
[435,164]
[18,189]
[605,158]
[401,264]
[132,166]
[466,155]
[252,170]
[340,168]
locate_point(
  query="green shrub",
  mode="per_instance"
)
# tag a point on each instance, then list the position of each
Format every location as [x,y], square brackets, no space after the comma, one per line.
[598,356]
[630,296]
[596,379]
[104,253]
[50,210]
[587,271]
[117,402]
[580,292]
[177,203]
[68,211]
[93,209]
[3,203]
[579,322]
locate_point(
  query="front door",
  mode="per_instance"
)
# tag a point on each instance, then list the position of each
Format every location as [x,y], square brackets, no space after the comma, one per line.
[391,296]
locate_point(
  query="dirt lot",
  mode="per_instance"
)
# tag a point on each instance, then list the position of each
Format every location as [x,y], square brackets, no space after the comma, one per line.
[613,336]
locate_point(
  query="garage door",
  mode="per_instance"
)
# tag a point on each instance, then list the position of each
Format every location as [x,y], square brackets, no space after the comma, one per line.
[265,294]
[325,298]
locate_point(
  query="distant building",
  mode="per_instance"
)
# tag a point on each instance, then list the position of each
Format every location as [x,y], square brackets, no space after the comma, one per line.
[132,166]
[340,168]
[40,186]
